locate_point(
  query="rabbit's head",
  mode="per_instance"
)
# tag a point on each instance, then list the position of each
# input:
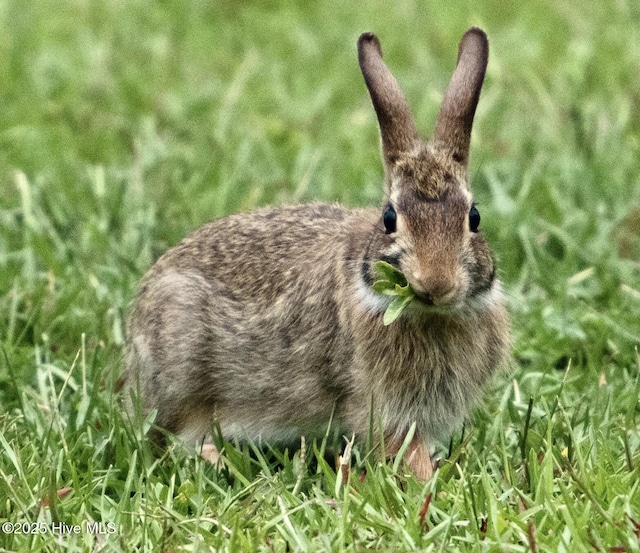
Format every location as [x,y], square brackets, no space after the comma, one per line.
[429,222]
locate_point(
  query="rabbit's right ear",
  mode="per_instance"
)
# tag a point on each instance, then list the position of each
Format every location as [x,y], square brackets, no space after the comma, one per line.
[397,128]
[455,119]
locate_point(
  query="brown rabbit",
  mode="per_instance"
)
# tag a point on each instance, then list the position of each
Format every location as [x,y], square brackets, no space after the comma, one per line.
[267,323]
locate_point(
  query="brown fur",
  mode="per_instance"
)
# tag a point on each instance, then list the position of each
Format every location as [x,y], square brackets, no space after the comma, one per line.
[266,323]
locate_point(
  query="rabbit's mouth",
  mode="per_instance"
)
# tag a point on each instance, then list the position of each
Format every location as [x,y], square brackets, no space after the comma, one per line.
[426,303]
[446,298]
[442,306]
[425,299]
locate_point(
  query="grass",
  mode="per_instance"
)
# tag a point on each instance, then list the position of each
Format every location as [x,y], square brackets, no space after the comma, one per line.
[126,124]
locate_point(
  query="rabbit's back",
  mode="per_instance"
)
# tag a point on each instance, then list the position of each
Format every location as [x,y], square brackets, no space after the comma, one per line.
[259,255]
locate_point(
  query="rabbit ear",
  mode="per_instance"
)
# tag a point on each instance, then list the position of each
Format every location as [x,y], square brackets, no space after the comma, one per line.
[455,119]
[397,128]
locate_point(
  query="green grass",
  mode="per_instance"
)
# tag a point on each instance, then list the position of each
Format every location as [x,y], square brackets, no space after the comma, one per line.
[126,124]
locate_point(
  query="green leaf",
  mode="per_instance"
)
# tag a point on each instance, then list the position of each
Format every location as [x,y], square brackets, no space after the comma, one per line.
[385,287]
[393,283]
[390,273]
[395,309]
[403,290]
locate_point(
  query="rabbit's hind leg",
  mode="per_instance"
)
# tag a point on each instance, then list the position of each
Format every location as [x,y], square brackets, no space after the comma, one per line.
[171,358]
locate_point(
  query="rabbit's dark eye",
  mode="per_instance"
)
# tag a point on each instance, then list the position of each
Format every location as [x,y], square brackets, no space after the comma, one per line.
[389,219]
[474,218]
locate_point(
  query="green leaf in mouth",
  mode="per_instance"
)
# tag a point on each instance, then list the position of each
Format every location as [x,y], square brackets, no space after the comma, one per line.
[392,283]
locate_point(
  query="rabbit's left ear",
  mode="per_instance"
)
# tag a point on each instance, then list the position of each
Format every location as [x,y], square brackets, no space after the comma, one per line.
[397,128]
[455,119]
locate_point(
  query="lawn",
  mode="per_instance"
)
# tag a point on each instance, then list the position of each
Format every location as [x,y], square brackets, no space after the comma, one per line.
[124,125]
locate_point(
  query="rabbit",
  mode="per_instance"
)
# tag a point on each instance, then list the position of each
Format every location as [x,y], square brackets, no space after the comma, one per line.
[266,323]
